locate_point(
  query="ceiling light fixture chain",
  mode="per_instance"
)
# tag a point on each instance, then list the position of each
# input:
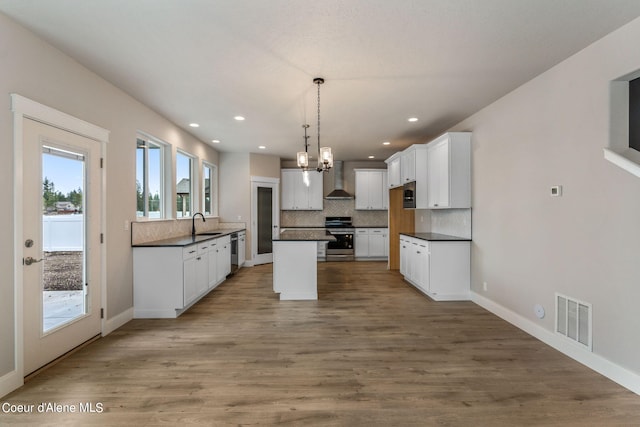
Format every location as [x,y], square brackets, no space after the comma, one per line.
[318,81]
[325,157]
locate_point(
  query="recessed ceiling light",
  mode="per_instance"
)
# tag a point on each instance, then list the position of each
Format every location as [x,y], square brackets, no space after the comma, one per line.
[262,147]
[239,118]
[386,143]
[372,157]
[194,125]
[412,119]
[215,141]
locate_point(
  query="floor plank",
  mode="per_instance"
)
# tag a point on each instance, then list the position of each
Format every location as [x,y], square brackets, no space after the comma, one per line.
[371,351]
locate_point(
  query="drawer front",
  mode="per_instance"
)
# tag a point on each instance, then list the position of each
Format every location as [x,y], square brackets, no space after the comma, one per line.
[362,231]
[223,240]
[189,251]
[203,247]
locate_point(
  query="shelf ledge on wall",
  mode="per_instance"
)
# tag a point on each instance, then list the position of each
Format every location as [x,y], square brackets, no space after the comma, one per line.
[623,160]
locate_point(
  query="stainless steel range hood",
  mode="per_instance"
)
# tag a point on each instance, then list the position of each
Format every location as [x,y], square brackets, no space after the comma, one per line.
[338,193]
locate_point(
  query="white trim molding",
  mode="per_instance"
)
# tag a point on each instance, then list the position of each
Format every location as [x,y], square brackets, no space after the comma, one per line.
[622,161]
[117,321]
[616,373]
[50,116]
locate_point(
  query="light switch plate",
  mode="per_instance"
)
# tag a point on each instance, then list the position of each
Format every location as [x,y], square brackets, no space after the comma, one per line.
[556,191]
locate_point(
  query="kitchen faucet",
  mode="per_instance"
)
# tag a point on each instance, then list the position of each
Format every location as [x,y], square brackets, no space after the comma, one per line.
[193,222]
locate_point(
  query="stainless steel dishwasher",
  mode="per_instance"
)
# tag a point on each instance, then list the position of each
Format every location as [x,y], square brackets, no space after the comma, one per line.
[234,252]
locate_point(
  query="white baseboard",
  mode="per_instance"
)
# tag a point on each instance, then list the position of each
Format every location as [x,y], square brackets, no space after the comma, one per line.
[616,373]
[9,382]
[116,321]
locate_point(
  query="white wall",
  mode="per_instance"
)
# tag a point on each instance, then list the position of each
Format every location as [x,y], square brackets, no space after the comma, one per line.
[235,206]
[34,69]
[585,244]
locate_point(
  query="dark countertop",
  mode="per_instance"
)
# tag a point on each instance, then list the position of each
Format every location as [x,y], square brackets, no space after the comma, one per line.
[308,235]
[435,237]
[182,241]
[321,226]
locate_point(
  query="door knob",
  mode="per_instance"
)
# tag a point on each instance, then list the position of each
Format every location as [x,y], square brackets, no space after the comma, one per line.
[29,260]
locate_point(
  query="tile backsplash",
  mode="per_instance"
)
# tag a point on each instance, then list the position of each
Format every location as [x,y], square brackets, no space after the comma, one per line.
[334,208]
[454,222]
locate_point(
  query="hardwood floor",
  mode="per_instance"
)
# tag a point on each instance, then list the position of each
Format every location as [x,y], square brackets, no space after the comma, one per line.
[371,351]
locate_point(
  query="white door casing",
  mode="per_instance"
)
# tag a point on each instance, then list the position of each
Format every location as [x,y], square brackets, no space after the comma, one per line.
[22,109]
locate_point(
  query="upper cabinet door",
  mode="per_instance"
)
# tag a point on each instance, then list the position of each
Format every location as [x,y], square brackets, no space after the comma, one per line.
[393,171]
[408,165]
[371,189]
[297,195]
[362,190]
[316,191]
[449,171]
[287,201]
[438,175]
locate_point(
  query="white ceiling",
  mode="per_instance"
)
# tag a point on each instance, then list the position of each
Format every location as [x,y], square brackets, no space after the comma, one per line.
[207,61]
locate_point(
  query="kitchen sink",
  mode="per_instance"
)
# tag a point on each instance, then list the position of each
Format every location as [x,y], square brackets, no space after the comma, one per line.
[210,233]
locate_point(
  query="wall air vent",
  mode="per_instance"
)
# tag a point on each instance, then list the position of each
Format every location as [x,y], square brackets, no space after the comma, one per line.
[573,320]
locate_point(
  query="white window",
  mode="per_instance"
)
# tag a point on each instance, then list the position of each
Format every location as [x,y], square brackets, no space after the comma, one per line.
[184,185]
[150,177]
[209,189]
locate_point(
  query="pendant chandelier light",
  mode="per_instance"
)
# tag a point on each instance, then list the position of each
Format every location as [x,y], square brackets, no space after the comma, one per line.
[325,157]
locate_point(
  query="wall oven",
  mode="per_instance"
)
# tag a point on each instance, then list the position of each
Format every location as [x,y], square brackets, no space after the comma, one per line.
[342,229]
[409,195]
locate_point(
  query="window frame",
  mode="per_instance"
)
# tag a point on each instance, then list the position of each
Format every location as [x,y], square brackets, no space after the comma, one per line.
[193,195]
[164,174]
[213,188]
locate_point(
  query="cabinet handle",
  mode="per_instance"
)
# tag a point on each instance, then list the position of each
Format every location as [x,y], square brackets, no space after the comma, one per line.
[192,252]
[199,258]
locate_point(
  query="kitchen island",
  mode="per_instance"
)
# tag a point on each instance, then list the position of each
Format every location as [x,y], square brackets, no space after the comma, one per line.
[295,263]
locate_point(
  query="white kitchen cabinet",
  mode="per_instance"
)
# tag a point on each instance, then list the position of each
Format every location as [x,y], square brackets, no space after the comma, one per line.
[371,190]
[440,269]
[408,164]
[385,192]
[419,263]
[202,269]
[297,195]
[213,264]
[405,246]
[167,280]
[195,267]
[377,242]
[413,167]
[189,276]
[394,178]
[371,243]
[361,243]
[449,171]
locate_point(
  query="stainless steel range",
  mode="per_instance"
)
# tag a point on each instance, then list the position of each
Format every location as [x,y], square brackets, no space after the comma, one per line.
[342,229]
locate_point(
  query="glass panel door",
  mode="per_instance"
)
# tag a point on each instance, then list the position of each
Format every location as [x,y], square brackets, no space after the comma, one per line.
[265,220]
[63,231]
